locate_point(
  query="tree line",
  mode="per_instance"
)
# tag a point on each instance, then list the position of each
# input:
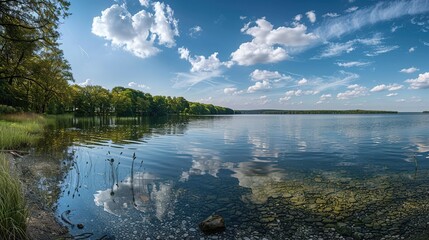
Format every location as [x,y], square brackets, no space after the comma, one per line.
[120,101]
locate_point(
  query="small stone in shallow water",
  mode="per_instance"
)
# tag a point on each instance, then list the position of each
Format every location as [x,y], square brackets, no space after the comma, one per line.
[213,224]
[80,225]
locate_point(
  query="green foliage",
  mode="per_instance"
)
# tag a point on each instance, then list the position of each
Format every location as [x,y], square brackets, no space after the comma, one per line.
[7,109]
[13,211]
[33,72]
[125,102]
[20,130]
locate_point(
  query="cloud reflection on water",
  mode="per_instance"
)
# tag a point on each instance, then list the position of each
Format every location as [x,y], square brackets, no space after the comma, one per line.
[144,193]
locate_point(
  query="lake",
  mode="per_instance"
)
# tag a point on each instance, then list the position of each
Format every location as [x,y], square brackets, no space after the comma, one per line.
[269,176]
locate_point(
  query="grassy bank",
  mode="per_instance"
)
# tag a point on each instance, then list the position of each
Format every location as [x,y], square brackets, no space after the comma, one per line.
[20,130]
[16,131]
[13,211]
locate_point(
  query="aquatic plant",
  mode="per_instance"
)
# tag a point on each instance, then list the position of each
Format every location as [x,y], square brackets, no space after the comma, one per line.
[13,211]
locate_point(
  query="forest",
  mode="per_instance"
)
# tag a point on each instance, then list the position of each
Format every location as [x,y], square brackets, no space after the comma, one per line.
[36,77]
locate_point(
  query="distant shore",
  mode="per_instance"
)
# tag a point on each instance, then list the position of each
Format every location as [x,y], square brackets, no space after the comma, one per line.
[274,111]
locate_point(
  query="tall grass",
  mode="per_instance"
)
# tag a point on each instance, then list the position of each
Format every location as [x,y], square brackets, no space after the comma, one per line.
[19,130]
[16,131]
[13,210]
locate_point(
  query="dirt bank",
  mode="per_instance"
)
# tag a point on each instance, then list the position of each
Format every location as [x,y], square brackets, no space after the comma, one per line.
[40,178]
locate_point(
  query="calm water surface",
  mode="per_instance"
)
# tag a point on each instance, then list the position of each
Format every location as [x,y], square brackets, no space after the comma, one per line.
[272,176]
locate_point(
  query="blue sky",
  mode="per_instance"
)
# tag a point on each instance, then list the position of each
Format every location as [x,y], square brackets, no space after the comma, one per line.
[339,54]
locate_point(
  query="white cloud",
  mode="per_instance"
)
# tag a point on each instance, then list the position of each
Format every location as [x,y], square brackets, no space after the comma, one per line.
[144,3]
[383,87]
[324,97]
[250,53]
[296,93]
[302,82]
[425,43]
[400,100]
[263,100]
[332,15]
[336,49]
[258,75]
[336,81]
[298,17]
[184,53]
[422,82]
[201,63]
[268,43]
[138,33]
[243,17]
[395,28]
[202,68]
[351,9]
[381,11]
[263,85]
[195,31]
[232,91]
[352,64]
[392,94]
[412,49]
[311,15]
[87,82]
[134,85]
[354,91]
[381,49]
[409,70]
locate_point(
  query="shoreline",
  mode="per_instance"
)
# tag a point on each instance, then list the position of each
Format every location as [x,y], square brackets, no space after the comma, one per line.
[41,222]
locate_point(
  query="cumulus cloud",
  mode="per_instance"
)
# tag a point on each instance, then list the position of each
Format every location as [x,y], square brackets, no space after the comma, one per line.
[421,82]
[201,63]
[311,15]
[409,70]
[391,94]
[135,85]
[262,85]
[141,33]
[232,91]
[144,3]
[87,82]
[202,68]
[269,43]
[355,90]
[352,64]
[383,87]
[258,75]
[302,82]
[324,98]
[296,93]
[412,49]
[195,31]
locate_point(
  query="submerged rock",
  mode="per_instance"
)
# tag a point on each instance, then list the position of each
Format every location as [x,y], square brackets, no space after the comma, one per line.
[213,224]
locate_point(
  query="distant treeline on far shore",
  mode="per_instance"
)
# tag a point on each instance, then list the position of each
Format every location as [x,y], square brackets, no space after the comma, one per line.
[425,111]
[273,111]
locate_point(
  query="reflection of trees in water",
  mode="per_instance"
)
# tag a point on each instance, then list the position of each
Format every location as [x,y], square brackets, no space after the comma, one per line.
[68,130]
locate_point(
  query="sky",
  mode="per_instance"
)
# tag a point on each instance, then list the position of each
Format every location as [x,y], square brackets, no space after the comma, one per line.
[249,54]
